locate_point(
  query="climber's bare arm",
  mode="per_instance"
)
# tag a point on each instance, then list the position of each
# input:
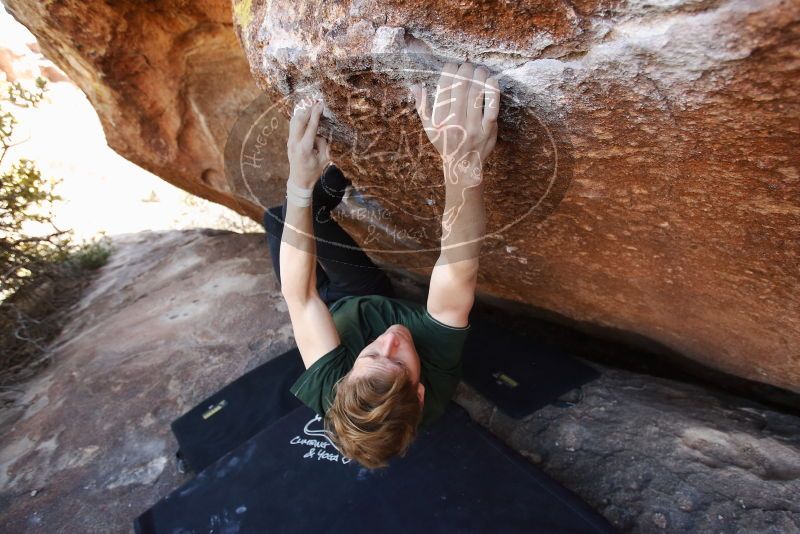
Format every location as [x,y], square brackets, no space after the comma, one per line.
[314,331]
[463,128]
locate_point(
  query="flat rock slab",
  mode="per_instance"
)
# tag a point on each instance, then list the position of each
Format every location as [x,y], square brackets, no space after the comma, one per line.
[172,318]
[655,455]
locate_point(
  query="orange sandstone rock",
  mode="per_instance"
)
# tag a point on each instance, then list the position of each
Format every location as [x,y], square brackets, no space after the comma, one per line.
[675,208]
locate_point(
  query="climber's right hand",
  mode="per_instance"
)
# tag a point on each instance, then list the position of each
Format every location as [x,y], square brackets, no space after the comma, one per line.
[308,153]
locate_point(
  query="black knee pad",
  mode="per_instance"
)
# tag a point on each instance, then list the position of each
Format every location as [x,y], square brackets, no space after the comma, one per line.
[330,188]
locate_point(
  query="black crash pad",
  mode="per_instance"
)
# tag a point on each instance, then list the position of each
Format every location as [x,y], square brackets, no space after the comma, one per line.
[289,478]
[518,374]
[238,411]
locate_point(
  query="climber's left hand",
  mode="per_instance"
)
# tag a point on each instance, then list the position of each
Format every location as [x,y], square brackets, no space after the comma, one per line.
[462,125]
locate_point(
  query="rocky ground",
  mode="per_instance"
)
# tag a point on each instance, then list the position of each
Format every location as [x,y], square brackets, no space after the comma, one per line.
[176,315]
[170,319]
[655,455]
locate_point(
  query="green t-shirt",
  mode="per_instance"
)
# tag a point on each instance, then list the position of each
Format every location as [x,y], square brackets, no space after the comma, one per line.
[359,321]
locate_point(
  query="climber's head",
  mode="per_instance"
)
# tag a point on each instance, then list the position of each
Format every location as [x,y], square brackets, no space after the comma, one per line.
[378,404]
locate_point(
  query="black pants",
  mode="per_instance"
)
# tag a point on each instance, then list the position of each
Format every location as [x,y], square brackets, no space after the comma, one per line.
[343,269]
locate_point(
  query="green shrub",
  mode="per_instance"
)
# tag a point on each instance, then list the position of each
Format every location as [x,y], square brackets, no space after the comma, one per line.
[42,273]
[92,254]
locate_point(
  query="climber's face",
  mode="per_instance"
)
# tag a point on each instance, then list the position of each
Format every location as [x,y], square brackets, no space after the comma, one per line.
[391,352]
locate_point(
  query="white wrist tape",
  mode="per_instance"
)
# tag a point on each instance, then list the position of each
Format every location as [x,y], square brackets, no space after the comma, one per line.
[297,195]
[300,191]
[297,201]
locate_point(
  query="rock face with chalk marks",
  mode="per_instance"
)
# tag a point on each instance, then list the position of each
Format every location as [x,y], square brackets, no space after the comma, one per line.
[646,179]
[675,127]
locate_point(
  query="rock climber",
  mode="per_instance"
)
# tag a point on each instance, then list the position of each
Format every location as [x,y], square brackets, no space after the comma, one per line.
[379,368]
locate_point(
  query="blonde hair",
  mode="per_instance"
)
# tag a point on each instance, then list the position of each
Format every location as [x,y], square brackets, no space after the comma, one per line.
[373,418]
